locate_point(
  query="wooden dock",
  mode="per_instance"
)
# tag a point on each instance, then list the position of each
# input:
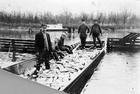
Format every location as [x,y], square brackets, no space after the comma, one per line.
[131,40]
[17,45]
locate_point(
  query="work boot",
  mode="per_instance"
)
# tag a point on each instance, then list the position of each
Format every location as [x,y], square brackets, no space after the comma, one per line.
[47,66]
[34,75]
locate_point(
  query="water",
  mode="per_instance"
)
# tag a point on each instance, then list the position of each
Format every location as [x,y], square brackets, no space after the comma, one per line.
[24,34]
[118,73]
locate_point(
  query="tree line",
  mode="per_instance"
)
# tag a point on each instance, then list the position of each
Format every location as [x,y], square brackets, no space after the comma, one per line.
[124,18]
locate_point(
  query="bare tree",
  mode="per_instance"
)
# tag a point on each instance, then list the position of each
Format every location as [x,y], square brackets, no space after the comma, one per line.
[133,20]
[125,16]
[84,15]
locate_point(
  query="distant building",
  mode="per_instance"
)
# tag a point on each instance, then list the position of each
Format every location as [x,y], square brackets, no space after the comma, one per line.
[55,30]
[54,26]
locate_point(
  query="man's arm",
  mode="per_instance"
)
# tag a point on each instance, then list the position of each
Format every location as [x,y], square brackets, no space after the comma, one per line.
[79,29]
[100,29]
[36,42]
[50,43]
[91,31]
[88,30]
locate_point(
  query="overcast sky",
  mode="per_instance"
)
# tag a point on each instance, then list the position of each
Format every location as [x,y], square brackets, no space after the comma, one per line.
[74,6]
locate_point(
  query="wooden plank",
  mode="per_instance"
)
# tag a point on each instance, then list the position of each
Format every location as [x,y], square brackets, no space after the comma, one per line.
[19,44]
[127,36]
[24,40]
[5,40]
[113,43]
[24,45]
[133,37]
[8,64]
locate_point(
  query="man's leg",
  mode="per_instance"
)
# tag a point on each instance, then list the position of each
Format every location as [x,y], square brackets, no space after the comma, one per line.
[38,64]
[60,54]
[55,55]
[81,38]
[63,48]
[47,65]
[94,40]
[69,48]
[84,41]
[99,40]
[46,57]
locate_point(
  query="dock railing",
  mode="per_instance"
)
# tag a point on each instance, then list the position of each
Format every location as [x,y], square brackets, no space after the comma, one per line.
[131,40]
[116,43]
[17,45]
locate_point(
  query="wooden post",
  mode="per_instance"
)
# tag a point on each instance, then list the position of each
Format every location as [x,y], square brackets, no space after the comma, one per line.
[14,50]
[69,32]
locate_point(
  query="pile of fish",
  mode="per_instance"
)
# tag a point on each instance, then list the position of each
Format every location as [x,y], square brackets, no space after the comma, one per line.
[64,71]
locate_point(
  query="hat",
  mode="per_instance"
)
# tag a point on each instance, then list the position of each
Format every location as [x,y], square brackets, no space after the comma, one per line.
[83,19]
[43,25]
[96,20]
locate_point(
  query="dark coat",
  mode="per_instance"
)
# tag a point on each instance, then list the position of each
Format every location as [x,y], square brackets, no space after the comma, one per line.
[95,30]
[61,42]
[82,30]
[39,41]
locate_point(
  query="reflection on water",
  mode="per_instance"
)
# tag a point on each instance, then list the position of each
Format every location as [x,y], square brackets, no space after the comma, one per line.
[24,34]
[118,73]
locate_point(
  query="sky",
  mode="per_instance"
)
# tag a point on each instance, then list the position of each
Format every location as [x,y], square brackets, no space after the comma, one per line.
[74,6]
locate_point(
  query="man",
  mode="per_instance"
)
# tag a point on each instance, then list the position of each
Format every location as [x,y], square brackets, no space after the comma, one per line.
[63,47]
[56,51]
[83,28]
[43,48]
[96,32]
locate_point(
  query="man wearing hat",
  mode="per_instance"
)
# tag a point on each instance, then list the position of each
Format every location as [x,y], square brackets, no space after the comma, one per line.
[96,32]
[61,45]
[83,30]
[43,47]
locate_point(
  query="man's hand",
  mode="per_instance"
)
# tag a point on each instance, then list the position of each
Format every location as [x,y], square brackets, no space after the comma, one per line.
[37,54]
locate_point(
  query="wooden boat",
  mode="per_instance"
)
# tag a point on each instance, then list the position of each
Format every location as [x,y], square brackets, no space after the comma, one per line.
[75,77]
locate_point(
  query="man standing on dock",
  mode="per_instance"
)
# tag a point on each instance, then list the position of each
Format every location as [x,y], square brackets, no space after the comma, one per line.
[83,30]
[95,32]
[43,48]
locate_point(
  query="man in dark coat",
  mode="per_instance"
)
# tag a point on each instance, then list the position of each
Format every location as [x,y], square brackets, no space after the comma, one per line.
[83,30]
[96,32]
[43,48]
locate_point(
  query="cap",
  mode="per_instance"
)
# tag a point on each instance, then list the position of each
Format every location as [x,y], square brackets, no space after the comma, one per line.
[43,25]
[83,19]
[96,20]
